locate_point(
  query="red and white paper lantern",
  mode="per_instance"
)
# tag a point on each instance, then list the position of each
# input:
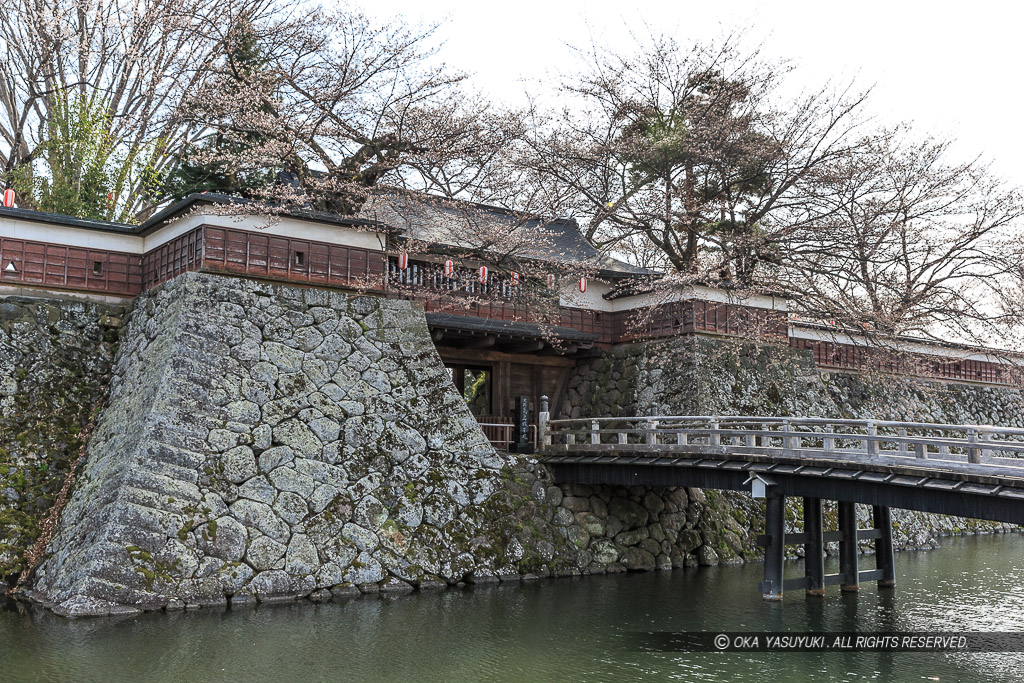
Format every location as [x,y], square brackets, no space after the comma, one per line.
[515,279]
[9,197]
[551,281]
[583,284]
[483,275]
[403,261]
[449,269]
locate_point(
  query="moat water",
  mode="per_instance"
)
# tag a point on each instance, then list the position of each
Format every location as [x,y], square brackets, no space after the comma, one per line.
[558,630]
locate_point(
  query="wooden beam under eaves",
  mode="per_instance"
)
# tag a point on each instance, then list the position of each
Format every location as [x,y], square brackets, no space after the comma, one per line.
[455,354]
[481,342]
[527,347]
[566,350]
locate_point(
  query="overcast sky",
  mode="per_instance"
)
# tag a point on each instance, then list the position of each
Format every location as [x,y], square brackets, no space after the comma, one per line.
[949,68]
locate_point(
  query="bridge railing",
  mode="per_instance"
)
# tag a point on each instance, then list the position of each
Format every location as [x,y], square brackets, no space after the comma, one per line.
[954,445]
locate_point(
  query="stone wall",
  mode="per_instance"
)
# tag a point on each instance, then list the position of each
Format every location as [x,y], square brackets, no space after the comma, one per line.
[708,376]
[55,356]
[573,529]
[705,376]
[265,442]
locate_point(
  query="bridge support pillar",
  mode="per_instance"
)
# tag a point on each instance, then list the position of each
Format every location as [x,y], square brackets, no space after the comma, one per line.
[814,547]
[849,569]
[883,546]
[775,551]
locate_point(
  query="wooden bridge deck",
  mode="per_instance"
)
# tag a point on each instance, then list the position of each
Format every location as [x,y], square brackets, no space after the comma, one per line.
[942,445]
[965,470]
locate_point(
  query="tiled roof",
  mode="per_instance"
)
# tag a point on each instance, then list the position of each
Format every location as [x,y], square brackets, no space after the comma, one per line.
[70,221]
[443,221]
[183,206]
[175,210]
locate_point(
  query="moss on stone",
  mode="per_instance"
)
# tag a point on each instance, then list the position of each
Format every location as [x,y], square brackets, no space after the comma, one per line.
[59,354]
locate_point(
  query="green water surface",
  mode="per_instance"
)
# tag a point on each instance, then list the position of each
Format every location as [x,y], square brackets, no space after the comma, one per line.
[548,630]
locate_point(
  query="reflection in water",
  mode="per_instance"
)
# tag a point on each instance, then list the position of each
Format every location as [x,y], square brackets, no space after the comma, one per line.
[569,629]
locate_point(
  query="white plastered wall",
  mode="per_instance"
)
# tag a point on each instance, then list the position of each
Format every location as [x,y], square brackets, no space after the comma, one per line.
[37,231]
[593,299]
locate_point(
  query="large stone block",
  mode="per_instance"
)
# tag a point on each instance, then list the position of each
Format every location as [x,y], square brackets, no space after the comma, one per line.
[300,429]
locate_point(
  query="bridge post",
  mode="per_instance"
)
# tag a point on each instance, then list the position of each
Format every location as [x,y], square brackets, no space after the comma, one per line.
[542,422]
[775,551]
[652,435]
[814,547]
[787,439]
[973,452]
[870,445]
[883,546]
[848,557]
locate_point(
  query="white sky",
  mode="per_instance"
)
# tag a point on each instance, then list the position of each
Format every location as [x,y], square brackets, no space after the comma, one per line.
[950,68]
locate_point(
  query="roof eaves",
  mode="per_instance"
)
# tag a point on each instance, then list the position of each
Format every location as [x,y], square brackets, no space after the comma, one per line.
[68,221]
[181,206]
[499,327]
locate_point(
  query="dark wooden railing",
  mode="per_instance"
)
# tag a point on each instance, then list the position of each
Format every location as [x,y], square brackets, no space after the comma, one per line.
[501,431]
[56,265]
[296,260]
[430,276]
[172,258]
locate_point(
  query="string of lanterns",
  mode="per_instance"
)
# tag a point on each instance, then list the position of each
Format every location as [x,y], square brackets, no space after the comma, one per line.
[449,272]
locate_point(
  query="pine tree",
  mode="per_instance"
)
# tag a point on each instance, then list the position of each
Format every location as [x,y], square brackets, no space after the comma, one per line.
[244,65]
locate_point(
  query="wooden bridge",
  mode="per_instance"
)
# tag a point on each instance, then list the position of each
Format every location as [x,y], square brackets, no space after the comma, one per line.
[965,470]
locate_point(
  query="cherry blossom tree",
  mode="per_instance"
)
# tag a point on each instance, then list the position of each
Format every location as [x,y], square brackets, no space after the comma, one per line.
[234,96]
[908,240]
[127,64]
[336,105]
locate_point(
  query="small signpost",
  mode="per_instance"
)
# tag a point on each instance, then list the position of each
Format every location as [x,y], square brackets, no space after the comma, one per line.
[521,432]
